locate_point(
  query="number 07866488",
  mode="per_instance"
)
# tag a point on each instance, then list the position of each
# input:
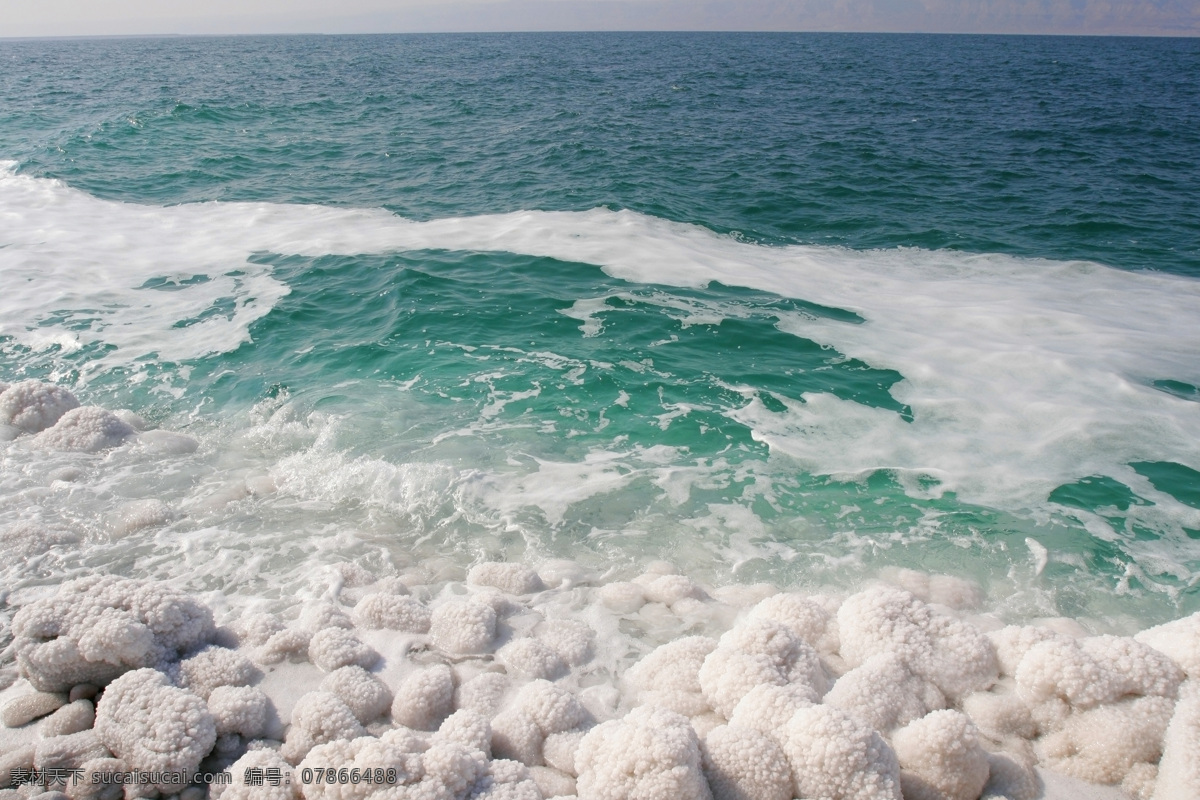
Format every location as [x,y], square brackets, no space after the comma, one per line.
[311,775]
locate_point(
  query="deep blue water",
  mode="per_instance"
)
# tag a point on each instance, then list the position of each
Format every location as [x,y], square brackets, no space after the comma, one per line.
[1058,147]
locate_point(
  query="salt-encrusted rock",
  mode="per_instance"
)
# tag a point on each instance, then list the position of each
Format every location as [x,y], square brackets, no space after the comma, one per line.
[97,628]
[651,753]
[263,760]
[334,648]
[319,717]
[1179,640]
[1012,777]
[670,589]
[29,538]
[540,709]
[552,783]
[97,780]
[884,693]
[393,612]
[319,616]
[155,726]
[463,626]
[19,758]
[768,708]
[1000,714]
[1014,641]
[483,693]
[287,644]
[88,429]
[216,666]
[833,755]
[669,677]
[83,691]
[33,406]
[446,771]
[948,652]
[468,728]
[366,695]
[1094,671]
[257,629]
[622,597]
[424,698]
[28,707]
[572,639]
[743,764]
[164,443]
[68,752]
[141,514]
[1143,669]
[1179,769]
[945,590]
[559,750]
[71,718]
[755,652]
[508,578]
[239,709]
[805,618]
[530,658]
[941,758]
[1102,745]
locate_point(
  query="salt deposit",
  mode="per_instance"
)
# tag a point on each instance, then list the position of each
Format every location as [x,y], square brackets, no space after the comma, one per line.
[758,713]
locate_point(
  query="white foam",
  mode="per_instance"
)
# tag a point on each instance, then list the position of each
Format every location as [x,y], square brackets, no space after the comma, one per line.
[1021,374]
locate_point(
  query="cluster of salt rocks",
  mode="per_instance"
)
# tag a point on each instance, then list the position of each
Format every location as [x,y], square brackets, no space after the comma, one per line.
[52,418]
[887,694]
[56,420]
[49,417]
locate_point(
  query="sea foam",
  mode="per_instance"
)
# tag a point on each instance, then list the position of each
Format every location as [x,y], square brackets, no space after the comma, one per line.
[1022,375]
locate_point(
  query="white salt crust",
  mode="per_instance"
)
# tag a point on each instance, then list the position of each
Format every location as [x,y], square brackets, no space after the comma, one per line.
[875,696]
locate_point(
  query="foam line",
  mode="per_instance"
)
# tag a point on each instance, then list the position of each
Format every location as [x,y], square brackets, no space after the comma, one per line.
[1022,374]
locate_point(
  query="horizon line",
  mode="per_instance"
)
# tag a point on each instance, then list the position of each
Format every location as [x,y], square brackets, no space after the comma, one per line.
[692,31]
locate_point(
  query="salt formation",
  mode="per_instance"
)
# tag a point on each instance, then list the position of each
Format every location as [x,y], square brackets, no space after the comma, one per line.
[33,406]
[154,726]
[941,758]
[28,538]
[493,688]
[364,694]
[241,710]
[651,753]
[743,764]
[94,629]
[54,420]
[87,429]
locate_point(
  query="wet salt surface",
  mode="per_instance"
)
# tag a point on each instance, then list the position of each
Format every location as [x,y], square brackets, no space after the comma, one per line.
[571,633]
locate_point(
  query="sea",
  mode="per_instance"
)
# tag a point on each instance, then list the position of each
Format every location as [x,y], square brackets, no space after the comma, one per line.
[803,309]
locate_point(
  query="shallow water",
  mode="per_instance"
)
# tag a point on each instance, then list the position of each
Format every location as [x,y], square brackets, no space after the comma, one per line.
[773,308]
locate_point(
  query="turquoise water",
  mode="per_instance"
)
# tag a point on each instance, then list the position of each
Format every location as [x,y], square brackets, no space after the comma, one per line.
[795,308]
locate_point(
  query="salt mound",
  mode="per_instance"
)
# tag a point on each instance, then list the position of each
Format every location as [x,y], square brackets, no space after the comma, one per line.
[155,727]
[33,406]
[88,429]
[652,753]
[30,538]
[95,629]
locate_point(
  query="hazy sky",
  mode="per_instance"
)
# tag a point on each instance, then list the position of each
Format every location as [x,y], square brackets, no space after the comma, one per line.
[104,17]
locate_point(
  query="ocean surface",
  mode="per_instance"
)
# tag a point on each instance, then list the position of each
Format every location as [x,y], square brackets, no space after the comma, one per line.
[791,308]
